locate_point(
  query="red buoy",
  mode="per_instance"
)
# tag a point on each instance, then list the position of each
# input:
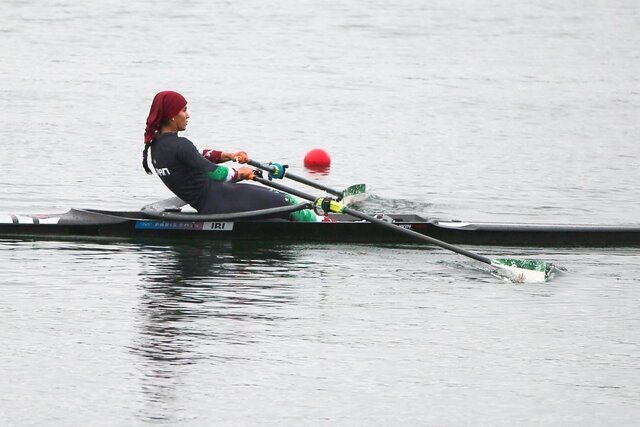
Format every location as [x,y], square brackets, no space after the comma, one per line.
[317,157]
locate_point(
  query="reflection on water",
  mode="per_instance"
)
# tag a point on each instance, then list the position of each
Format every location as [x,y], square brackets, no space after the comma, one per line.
[172,333]
[317,170]
[183,283]
[198,299]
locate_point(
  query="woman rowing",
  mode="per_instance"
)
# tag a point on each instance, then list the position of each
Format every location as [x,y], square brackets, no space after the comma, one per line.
[198,178]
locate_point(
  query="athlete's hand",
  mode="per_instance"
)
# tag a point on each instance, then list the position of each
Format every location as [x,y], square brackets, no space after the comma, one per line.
[245,173]
[240,157]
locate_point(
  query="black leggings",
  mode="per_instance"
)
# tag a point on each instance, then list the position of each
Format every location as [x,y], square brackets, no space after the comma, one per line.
[225,197]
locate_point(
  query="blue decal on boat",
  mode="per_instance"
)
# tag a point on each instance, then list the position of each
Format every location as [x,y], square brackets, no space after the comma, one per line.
[168,225]
[183,225]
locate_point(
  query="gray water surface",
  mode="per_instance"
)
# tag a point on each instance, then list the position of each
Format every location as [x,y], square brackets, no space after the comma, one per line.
[503,111]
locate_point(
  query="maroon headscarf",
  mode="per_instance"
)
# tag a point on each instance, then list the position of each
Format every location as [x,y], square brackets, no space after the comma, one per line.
[165,105]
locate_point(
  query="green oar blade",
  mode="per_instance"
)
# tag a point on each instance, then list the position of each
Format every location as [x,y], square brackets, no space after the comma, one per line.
[523,270]
[354,194]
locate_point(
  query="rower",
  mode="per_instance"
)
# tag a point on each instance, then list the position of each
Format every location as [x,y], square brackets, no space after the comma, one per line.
[199,178]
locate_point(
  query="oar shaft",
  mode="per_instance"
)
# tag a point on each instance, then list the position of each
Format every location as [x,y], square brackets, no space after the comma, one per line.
[300,179]
[378,221]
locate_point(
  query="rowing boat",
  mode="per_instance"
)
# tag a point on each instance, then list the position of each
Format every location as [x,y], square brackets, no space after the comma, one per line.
[164,220]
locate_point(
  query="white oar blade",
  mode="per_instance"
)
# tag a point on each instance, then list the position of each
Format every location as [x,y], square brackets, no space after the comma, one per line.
[523,271]
[354,194]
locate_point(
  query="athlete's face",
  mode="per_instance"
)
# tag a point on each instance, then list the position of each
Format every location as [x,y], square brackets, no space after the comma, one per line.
[182,119]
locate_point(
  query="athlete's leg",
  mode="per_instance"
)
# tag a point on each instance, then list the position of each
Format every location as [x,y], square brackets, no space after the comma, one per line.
[239,197]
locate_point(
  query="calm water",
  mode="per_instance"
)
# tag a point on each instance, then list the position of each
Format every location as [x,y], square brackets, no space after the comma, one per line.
[523,111]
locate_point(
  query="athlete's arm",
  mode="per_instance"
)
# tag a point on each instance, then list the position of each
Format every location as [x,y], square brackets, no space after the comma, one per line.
[215,156]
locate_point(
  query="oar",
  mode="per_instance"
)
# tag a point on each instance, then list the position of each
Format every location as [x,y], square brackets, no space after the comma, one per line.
[514,269]
[349,195]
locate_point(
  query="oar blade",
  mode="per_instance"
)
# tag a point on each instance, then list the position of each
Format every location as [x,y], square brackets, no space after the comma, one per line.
[354,194]
[523,270]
